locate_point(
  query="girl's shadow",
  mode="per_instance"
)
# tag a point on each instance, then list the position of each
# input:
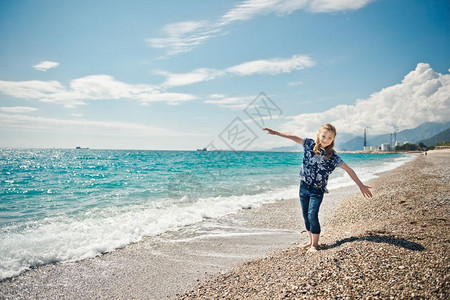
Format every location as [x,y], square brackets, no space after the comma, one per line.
[400,242]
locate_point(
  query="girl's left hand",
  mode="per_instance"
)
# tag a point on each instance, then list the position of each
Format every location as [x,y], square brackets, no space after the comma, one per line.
[365,191]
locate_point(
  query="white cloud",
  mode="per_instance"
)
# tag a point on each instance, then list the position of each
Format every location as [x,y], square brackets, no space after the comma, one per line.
[272,66]
[185,36]
[30,89]
[264,66]
[94,87]
[18,109]
[170,98]
[103,87]
[330,6]
[295,83]
[46,65]
[84,126]
[234,103]
[422,96]
[238,103]
[251,8]
[198,75]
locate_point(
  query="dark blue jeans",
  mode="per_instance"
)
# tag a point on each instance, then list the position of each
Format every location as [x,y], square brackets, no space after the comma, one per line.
[310,199]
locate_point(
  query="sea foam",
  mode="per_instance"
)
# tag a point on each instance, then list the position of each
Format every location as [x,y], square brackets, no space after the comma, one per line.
[64,238]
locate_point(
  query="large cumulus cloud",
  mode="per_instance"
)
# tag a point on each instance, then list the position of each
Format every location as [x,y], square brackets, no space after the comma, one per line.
[422,96]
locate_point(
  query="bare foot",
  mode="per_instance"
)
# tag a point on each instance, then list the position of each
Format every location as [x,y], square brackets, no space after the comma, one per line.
[313,249]
[305,246]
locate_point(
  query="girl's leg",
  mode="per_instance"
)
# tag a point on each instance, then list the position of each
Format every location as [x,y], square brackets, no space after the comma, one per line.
[304,201]
[313,217]
[309,243]
[315,243]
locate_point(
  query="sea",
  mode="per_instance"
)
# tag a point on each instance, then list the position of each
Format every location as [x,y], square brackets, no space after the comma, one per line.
[59,205]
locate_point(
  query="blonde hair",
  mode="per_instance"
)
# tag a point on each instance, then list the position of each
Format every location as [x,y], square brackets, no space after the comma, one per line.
[329,149]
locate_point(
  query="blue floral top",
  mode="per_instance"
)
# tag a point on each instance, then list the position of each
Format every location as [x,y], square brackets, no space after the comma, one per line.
[315,168]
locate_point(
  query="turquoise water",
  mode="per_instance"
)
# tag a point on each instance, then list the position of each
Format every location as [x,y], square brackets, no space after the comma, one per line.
[65,205]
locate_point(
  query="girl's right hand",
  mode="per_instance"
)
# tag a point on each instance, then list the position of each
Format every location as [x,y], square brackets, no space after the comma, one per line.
[270,131]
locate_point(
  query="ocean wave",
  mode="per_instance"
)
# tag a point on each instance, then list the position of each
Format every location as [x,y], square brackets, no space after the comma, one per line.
[99,231]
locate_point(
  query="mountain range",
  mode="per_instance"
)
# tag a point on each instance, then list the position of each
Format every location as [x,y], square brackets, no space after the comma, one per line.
[423,133]
[441,137]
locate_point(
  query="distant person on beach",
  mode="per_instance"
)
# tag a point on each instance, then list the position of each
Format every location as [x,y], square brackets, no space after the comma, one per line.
[319,161]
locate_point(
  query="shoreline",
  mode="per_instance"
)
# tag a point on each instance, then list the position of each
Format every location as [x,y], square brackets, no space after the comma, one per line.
[393,246]
[165,266]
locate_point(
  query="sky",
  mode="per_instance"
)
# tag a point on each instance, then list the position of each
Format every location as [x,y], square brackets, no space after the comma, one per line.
[183,75]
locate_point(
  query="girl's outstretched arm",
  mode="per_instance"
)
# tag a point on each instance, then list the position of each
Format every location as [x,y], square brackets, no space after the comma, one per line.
[364,188]
[286,135]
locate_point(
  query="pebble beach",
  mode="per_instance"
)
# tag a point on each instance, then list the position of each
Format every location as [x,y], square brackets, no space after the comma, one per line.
[393,246]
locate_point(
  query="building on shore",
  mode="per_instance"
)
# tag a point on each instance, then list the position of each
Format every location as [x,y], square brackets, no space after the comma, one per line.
[386,147]
[372,148]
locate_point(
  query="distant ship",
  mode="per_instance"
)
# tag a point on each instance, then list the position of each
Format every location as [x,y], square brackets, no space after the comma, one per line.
[204,149]
[80,148]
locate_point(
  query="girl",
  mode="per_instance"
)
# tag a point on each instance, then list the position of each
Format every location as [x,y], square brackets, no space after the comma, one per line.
[319,160]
